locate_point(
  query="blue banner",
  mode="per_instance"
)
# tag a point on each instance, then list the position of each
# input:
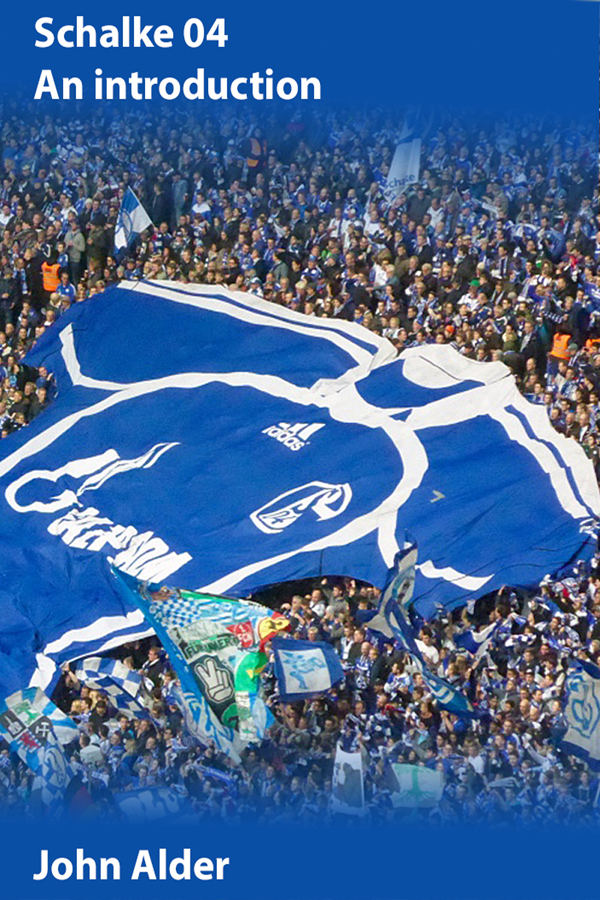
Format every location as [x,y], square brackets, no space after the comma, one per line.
[304,668]
[171,465]
[582,713]
[392,620]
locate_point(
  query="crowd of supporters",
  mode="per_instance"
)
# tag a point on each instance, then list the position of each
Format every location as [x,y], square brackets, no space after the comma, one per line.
[495,250]
[505,765]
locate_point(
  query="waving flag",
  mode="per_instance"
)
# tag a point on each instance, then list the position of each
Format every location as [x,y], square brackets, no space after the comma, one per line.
[163,454]
[164,804]
[305,668]
[216,648]
[36,730]
[447,696]
[406,162]
[131,221]
[524,232]
[593,293]
[582,713]
[477,642]
[415,786]
[203,725]
[121,684]
[27,718]
[392,620]
[347,786]
[55,775]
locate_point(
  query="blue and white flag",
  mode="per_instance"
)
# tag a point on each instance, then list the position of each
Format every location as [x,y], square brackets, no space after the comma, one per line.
[143,460]
[593,293]
[27,718]
[582,713]
[347,786]
[477,642]
[131,221]
[215,647]
[524,232]
[64,727]
[54,774]
[392,620]
[122,685]
[36,730]
[155,804]
[392,617]
[219,777]
[36,703]
[447,696]
[406,165]
[203,726]
[304,668]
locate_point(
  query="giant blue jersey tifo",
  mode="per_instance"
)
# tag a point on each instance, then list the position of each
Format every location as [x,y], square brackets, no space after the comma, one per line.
[211,440]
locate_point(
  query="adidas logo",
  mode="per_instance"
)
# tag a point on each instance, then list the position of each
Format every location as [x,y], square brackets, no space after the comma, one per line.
[294,437]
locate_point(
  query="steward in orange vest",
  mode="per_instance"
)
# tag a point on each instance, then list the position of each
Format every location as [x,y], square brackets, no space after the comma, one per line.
[560,345]
[257,152]
[50,276]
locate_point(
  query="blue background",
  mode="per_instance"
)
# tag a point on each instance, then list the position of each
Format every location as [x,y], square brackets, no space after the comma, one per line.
[289,863]
[521,54]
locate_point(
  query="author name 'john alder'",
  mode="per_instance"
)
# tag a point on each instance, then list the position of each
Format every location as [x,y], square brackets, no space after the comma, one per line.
[179,868]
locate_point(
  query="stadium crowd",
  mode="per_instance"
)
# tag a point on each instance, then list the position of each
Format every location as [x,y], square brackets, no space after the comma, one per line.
[495,250]
[505,765]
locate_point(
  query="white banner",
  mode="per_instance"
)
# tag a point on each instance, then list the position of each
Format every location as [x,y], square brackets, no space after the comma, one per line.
[348,792]
[405,168]
[582,714]
[418,787]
